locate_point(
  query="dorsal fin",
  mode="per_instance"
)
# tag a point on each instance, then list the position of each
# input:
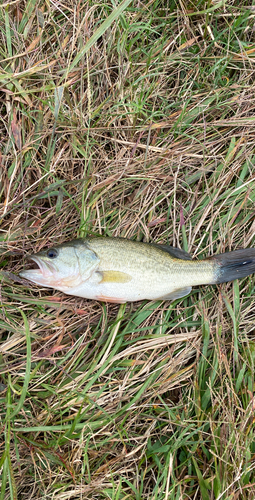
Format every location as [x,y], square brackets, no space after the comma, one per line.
[176,253]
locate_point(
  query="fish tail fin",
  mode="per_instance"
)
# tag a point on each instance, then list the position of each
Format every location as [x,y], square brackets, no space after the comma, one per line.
[233,265]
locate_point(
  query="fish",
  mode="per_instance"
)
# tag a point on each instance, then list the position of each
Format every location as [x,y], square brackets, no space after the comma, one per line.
[120,270]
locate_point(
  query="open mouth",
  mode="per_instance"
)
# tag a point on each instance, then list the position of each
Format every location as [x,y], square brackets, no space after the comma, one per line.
[40,274]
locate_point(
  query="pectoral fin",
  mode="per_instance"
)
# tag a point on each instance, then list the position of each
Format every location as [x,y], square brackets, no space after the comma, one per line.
[114,277]
[177,294]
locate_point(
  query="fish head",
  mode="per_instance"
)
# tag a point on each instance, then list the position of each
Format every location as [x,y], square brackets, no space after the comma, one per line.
[63,266]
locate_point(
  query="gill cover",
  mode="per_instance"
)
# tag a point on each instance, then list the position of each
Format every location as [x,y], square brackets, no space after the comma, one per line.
[63,266]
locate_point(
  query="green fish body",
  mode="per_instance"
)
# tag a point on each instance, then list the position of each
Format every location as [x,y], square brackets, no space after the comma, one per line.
[121,270]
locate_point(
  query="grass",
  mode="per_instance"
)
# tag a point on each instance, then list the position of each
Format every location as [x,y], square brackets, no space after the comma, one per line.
[135,120]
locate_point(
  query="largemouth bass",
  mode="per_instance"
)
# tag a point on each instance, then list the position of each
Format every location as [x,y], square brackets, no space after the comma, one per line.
[120,270]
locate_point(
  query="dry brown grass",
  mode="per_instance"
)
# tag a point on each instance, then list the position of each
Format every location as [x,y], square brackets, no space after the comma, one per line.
[147,135]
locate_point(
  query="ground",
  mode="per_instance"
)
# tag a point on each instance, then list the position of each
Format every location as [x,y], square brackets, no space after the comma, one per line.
[127,119]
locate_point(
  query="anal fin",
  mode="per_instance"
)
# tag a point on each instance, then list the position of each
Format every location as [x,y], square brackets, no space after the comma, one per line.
[177,294]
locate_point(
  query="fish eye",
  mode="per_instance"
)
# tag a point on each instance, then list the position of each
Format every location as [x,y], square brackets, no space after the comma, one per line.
[52,253]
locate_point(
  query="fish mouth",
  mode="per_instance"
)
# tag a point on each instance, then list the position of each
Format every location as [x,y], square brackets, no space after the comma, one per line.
[42,275]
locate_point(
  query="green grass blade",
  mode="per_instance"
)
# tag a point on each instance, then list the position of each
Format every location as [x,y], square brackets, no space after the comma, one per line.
[115,14]
[28,368]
